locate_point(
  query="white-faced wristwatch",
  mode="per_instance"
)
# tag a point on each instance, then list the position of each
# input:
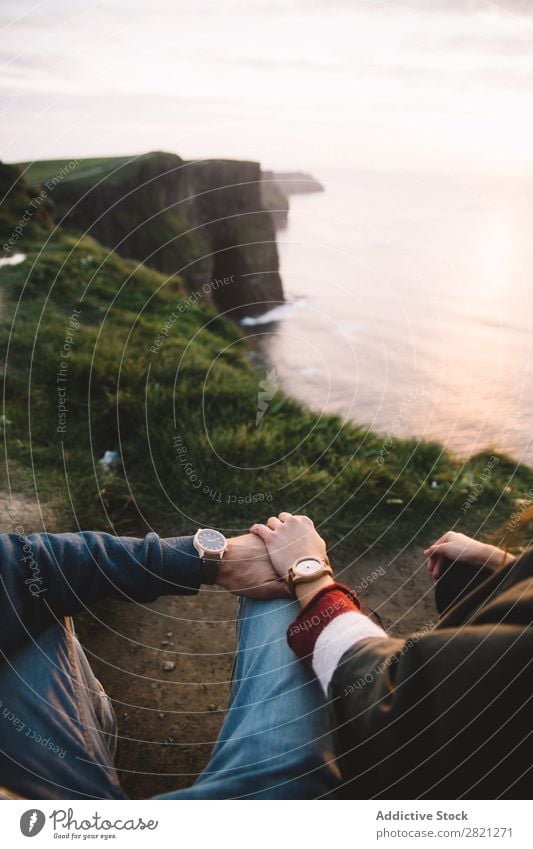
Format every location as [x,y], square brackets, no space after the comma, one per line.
[307,569]
[210,545]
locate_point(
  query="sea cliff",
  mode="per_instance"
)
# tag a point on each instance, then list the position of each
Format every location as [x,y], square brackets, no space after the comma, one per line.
[204,220]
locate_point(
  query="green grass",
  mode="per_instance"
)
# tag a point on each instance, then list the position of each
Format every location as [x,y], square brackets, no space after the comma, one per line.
[15,203]
[200,386]
[89,170]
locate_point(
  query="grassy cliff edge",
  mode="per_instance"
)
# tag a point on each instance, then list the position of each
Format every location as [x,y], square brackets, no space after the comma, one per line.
[162,379]
[103,353]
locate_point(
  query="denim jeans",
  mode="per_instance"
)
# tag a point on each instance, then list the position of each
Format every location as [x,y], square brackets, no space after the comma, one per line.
[57,729]
[57,726]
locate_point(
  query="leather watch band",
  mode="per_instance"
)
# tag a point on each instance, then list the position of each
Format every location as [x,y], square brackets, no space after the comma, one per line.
[210,567]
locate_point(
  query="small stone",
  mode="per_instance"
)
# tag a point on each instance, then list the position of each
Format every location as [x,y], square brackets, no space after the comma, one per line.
[169,634]
[161,716]
[168,666]
[153,686]
[163,643]
[212,707]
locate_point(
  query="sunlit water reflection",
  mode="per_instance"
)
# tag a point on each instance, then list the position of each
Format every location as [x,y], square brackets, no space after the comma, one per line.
[413,307]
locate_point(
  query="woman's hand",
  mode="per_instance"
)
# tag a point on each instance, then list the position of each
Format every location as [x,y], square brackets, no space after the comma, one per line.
[289,537]
[458,547]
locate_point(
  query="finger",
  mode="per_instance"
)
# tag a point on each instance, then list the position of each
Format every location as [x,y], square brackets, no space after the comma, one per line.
[274,523]
[307,519]
[437,548]
[284,516]
[431,563]
[437,542]
[262,531]
[444,538]
[438,569]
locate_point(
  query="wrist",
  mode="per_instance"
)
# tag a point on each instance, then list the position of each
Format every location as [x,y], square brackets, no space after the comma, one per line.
[304,592]
[226,565]
[210,545]
[495,557]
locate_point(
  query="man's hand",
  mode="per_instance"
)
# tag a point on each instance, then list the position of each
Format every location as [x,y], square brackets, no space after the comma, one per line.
[289,537]
[246,570]
[458,547]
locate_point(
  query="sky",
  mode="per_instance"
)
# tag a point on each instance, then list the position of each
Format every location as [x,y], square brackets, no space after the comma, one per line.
[411,85]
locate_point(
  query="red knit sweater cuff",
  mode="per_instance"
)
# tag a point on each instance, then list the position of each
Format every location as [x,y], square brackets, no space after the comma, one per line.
[324,607]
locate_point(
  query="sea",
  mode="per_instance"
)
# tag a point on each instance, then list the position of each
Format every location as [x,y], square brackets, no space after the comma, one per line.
[409,307]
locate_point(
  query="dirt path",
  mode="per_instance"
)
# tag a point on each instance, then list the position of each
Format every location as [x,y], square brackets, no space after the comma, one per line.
[20,513]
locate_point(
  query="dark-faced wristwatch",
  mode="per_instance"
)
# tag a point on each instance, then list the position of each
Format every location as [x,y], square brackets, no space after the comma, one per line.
[210,545]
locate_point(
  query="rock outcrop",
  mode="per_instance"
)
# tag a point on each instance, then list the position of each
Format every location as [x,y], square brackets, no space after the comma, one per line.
[275,200]
[203,220]
[294,182]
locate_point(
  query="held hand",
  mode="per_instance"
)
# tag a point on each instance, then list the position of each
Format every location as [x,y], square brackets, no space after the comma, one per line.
[458,547]
[289,537]
[246,570]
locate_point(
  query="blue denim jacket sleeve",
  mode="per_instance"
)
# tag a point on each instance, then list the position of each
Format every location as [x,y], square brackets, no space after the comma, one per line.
[44,577]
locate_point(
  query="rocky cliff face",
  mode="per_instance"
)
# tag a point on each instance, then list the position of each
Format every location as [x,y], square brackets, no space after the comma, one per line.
[232,220]
[275,200]
[202,220]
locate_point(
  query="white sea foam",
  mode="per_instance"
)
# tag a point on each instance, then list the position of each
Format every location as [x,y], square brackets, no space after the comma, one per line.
[279,313]
[308,371]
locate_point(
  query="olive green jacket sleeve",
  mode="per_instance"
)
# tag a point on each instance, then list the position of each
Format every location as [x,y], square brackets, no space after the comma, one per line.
[446,713]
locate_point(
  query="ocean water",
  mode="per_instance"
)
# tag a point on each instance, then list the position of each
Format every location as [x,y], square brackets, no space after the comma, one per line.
[411,307]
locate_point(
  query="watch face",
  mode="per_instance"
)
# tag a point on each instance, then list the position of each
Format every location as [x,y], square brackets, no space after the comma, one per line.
[211,540]
[308,567]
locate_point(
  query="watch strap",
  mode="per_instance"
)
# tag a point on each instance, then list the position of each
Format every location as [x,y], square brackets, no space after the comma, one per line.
[210,567]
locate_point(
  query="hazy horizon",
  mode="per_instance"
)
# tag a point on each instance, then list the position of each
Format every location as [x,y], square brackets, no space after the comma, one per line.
[405,85]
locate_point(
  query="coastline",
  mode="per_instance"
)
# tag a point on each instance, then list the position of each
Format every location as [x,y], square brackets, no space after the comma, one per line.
[377,500]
